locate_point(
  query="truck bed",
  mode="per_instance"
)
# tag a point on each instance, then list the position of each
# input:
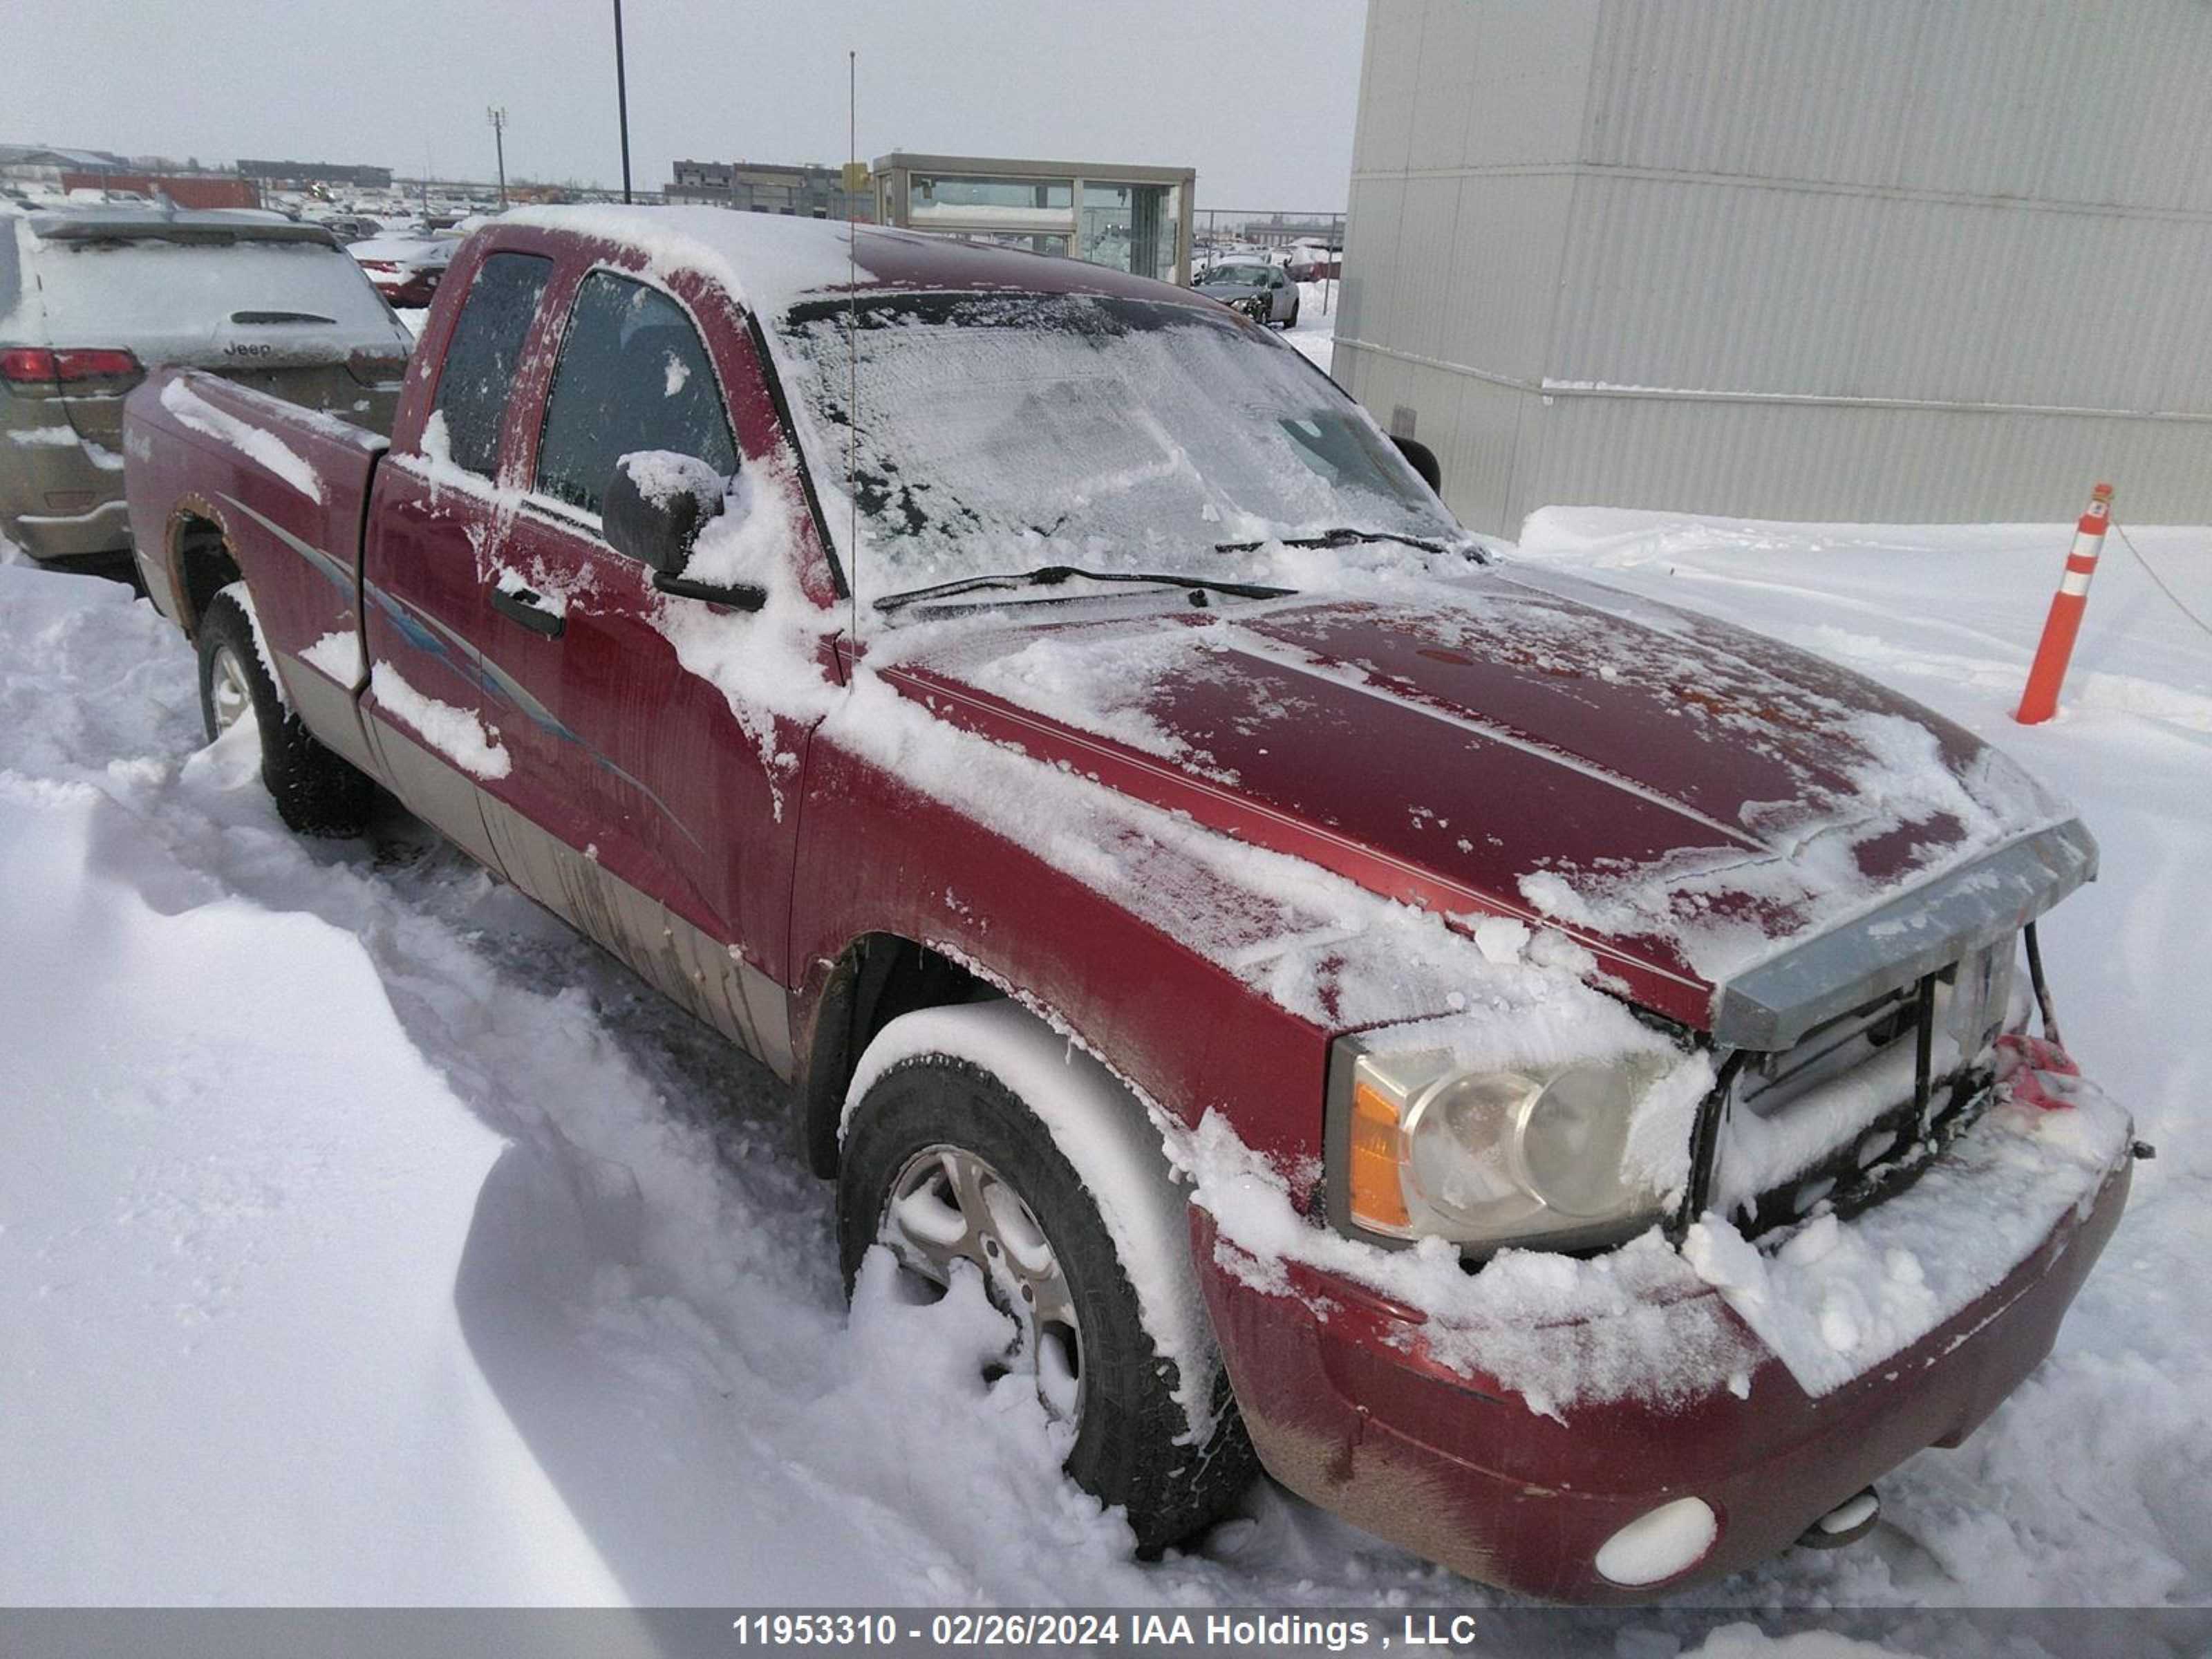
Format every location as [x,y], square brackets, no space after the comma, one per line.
[221,477]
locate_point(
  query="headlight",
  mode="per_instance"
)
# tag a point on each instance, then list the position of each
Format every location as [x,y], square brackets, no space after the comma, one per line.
[1420,1148]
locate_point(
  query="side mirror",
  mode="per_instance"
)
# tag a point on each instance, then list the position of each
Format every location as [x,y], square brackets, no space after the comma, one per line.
[1423,460]
[655,505]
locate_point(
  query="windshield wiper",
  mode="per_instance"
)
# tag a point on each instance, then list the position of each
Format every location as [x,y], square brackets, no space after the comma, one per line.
[1051,575]
[1349,538]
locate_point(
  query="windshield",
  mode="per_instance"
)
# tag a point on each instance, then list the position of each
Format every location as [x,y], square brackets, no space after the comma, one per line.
[116,292]
[1004,432]
[1235,277]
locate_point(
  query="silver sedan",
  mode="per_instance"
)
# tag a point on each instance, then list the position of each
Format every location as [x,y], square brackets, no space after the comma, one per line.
[1263,292]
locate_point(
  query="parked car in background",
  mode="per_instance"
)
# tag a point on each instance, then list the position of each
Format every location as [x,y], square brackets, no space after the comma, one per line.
[1584,1026]
[1207,255]
[406,269]
[94,298]
[1263,291]
[347,229]
[1310,262]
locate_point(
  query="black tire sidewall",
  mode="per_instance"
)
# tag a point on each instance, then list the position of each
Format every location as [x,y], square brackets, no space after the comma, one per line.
[316,792]
[1127,1450]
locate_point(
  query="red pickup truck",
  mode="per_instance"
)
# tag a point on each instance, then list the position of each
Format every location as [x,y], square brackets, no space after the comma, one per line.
[1549,1074]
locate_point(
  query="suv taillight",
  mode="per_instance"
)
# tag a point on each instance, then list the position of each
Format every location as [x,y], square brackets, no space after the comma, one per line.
[96,363]
[38,370]
[26,366]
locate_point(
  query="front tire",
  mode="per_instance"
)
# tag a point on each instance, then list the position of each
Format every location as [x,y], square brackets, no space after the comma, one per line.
[943,1160]
[317,792]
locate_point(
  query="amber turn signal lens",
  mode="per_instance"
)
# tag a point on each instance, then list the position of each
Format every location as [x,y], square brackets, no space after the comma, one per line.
[1378,1160]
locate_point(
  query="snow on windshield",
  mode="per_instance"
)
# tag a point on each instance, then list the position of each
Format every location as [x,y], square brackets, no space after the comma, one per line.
[123,290]
[1002,432]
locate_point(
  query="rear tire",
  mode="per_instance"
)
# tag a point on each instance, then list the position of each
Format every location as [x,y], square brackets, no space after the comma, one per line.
[317,792]
[1127,1420]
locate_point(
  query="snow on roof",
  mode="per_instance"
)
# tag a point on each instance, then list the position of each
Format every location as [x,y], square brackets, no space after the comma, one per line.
[59,220]
[90,160]
[769,261]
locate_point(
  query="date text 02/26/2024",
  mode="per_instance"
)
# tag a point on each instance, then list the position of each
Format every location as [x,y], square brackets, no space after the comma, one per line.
[1220,1631]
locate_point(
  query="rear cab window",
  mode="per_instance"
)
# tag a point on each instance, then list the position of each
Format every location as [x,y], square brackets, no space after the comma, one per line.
[484,355]
[633,375]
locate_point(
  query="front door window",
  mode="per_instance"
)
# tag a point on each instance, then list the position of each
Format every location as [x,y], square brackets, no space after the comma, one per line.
[633,375]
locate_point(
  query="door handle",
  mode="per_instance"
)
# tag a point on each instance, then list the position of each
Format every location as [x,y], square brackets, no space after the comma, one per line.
[522,606]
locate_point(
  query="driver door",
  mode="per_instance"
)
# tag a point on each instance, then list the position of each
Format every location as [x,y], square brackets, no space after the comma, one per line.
[646,814]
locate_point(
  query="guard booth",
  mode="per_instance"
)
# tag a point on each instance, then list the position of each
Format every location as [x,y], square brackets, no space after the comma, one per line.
[1129,218]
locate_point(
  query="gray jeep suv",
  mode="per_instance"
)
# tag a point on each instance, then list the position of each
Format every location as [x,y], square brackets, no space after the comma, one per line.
[93,299]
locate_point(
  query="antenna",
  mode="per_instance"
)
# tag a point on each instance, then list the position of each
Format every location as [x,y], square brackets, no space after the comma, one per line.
[852,343]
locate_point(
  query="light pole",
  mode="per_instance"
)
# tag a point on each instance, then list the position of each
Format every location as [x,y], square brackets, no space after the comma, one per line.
[622,98]
[498,119]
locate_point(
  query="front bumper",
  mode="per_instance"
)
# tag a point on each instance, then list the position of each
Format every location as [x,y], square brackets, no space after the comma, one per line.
[1346,1411]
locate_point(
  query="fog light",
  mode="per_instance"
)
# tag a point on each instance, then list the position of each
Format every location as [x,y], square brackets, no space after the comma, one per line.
[1669,1539]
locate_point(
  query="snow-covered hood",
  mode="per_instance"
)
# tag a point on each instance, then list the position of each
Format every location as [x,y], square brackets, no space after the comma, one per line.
[1684,797]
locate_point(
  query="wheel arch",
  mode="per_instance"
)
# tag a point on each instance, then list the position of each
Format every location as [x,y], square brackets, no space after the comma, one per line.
[875,979]
[882,977]
[200,561]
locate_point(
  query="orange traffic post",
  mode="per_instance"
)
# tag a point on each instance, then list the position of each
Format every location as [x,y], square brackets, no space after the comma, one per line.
[2048,672]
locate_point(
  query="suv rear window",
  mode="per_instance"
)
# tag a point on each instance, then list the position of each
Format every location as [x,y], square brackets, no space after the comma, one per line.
[482,356]
[117,291]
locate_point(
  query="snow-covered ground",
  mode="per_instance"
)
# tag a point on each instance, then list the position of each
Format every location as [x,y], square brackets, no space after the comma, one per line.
[1314,332]
[365,1238]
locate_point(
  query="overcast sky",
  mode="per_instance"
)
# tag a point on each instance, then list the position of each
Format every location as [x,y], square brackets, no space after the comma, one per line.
[1258,95]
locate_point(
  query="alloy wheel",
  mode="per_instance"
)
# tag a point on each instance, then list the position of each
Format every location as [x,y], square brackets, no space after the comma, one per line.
[230,693]
[948,1205]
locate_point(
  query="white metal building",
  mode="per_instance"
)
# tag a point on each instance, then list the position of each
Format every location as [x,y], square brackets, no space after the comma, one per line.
[1863,259]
